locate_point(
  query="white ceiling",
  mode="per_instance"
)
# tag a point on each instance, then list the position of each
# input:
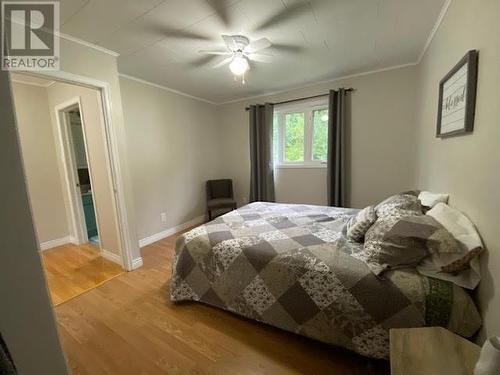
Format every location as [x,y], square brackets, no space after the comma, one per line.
[316,40]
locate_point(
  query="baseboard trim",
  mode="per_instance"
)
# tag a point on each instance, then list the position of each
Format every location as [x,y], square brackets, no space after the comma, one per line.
[137,263]
[111,256]
[168,232]
[57,242]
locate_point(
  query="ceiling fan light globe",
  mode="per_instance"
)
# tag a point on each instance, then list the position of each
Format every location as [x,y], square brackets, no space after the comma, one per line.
[239,65]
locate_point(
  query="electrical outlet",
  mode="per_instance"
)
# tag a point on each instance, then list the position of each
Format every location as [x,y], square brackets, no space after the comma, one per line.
[163,217]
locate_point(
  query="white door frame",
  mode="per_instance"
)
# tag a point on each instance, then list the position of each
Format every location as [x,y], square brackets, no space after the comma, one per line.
[109,131]
[76,220]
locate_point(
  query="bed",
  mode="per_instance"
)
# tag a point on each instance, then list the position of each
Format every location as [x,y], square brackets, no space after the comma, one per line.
[291,266]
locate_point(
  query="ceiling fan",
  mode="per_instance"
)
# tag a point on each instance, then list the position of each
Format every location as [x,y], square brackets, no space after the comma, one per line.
[240,50]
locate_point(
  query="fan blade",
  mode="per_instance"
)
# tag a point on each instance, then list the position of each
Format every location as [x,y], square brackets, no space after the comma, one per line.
[257,45]
[214,52]
[284,15]
[230,42]
[202,61]
[288,48]
[220,8]
[260,57]
[223,62]
[175,33]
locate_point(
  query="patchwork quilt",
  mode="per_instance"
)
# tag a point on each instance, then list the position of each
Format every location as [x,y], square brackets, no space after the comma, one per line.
[292,266]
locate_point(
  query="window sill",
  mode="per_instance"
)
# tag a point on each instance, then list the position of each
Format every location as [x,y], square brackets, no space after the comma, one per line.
[299,166]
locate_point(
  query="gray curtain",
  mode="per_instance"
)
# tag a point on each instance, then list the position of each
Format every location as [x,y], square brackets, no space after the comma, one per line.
[261,153]
[337,148]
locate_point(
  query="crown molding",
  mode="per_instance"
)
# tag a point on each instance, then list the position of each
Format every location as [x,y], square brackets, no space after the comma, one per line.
[74,39]
[320,83]
[87,44]
[434,30]
[22,82]
[82,42]
[132,78]
[427,44]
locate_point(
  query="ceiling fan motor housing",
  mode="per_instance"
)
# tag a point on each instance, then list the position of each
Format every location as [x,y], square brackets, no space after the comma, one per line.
[240,41]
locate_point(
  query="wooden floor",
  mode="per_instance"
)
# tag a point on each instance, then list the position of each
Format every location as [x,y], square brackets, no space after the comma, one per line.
[129,326]
[71,270]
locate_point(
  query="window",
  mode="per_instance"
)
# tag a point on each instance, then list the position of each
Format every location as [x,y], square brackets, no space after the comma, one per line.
[300,135]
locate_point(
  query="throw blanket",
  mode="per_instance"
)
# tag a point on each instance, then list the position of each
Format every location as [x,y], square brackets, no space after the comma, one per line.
[291,266]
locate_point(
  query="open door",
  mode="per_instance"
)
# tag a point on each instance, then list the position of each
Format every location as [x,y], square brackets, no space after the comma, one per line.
[79,177]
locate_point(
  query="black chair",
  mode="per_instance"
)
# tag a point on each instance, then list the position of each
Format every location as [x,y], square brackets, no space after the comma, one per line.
[219,196]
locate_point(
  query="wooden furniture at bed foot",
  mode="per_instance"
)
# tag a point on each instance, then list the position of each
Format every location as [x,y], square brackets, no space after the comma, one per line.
[431,351]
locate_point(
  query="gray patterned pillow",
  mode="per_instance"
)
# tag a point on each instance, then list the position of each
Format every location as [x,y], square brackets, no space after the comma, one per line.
[411,192]
[399,205]
[359,224]
[403,241]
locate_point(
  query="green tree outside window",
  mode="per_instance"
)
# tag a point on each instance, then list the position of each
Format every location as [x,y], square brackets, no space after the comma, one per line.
[320,135]
[294,137]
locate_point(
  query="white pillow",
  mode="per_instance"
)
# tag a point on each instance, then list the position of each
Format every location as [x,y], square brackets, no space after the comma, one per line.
[429,199]
[467,237]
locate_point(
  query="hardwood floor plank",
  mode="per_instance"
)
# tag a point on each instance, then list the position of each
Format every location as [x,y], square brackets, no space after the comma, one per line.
[71,270]
[129,326]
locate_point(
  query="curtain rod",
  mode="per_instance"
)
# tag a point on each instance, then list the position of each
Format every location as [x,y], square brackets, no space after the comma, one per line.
[307,97]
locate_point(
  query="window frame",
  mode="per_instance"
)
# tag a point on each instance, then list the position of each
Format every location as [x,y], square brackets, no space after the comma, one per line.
[306,107]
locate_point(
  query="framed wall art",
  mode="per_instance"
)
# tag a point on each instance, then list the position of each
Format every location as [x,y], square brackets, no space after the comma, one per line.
[457,98]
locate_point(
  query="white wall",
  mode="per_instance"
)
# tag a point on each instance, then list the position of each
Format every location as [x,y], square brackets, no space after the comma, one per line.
[466,167]
[26,318]
[40,162]
[174,147]
[301,185]
[382,149]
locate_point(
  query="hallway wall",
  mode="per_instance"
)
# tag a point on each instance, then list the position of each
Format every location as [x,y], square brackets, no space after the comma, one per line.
[40,162]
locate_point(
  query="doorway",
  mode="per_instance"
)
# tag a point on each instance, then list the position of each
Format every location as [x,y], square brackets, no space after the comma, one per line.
[75,150]
[64,151]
